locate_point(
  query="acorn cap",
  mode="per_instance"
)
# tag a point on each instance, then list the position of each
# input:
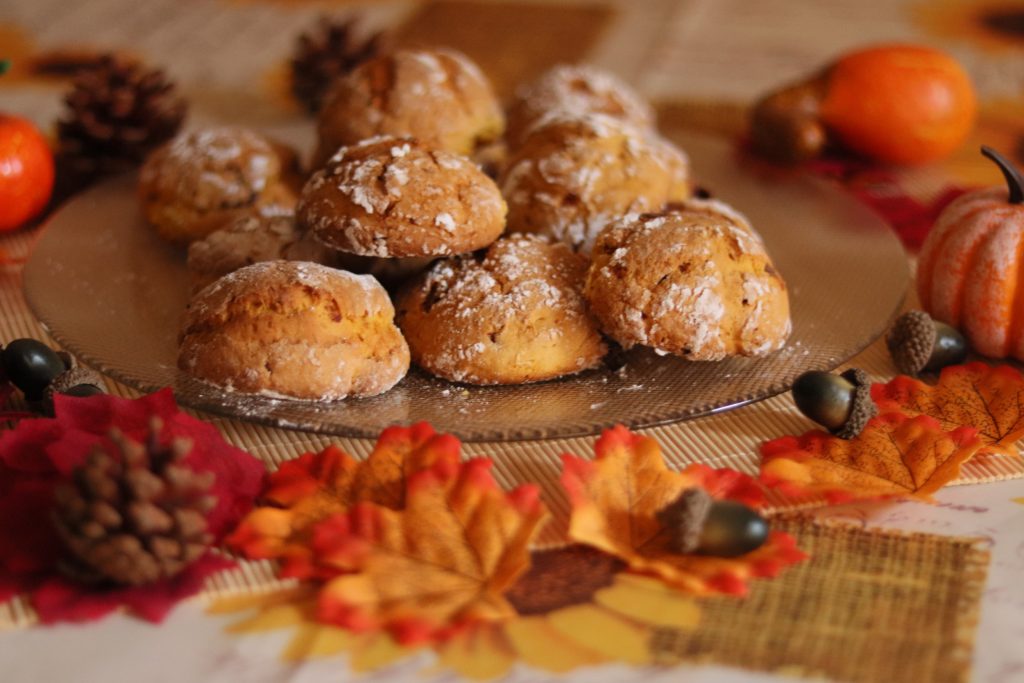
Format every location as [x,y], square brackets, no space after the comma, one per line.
[71,377]
[911,341]
[863,408]
[685,517]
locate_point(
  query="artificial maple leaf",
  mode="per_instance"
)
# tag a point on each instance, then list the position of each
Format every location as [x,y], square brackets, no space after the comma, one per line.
[316,486]
[616,499]
[988,398]
[895,456]
[441,563]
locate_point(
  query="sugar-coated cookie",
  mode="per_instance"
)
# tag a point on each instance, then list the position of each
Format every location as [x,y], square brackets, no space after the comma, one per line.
[202,178]
[266,235]
[438,96]
[694,281]
[576,174]
[512,315]
[574,89]
[294,329]
[395,197]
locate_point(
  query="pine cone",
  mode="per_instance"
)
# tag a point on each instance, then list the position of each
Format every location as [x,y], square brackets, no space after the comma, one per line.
[118,111]
[327,52]
[137,516]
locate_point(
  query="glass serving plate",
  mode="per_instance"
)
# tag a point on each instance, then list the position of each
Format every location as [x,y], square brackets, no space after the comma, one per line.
[112,293]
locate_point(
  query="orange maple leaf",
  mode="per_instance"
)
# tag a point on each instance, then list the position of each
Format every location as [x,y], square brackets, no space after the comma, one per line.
[895,456]
[990,399]
[615,503]
[440,564]
[315,486]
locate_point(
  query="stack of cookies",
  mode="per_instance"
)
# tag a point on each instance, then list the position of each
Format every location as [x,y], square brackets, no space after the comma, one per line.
[514,247]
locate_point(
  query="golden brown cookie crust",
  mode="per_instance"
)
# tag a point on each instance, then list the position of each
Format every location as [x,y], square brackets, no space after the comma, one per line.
[252,238]
[294,329]
[576,174]
[395,197]
[438,96]
[512,315]
[574,89]
[694,281]
[196,182]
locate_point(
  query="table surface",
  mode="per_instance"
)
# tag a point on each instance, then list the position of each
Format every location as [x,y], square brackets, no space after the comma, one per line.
[687,55]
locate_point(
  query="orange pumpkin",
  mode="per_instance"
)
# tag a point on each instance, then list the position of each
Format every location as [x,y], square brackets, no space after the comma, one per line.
[971,262]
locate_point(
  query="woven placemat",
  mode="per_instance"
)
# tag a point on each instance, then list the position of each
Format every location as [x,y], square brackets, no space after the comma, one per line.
[869,606]
[601,32]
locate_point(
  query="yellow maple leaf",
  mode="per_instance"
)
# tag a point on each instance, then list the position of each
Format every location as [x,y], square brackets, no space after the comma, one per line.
[616,499]
[441,563]
[988,398]
[315,486]
[894,456]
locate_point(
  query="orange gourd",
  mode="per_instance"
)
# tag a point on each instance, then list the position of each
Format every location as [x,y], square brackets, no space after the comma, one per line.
[901,104]
[972,262]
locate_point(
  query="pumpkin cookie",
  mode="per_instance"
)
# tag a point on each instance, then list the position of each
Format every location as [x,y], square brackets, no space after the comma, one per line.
[576,174]
[294,329]
[201,179]
[438,96]
[252,238]
[512,315]
[694,281]
[394,197]
[575,90]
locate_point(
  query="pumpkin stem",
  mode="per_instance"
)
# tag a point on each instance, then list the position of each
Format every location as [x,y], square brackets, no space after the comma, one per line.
[5,64]
[1014,181]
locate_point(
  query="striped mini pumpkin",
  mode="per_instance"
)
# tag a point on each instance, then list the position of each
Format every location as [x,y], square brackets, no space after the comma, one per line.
[971,267]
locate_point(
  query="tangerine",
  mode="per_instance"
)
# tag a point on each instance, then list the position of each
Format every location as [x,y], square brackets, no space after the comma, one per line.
[902,104]
[26,172]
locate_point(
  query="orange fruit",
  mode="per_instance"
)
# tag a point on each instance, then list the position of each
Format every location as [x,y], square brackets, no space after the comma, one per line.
[26,172]
[902,104]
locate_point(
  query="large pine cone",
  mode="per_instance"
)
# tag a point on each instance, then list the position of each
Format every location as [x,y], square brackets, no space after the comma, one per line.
[118,111]
[137,516]
[326,53]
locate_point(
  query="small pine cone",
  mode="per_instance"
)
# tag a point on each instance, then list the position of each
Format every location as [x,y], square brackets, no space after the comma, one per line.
[137,516]
[327,52]
[117,112]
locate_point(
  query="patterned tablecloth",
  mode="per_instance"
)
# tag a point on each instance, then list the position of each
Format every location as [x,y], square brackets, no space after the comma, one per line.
[700,61]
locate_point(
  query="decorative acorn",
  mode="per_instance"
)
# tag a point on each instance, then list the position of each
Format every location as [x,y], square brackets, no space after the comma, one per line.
[702,525]
[135,516]
[918,344]
[840,403]
[785,124]
[31,366]
[324,54]
[40,372]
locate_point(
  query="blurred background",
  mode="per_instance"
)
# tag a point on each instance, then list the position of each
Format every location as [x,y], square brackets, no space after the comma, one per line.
[702,62]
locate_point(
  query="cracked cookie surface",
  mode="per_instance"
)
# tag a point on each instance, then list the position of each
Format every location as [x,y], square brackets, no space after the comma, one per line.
[202,178]
[395,197]
[694,281]
[575,174]
[438,96]
[294,329]
[510,315]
